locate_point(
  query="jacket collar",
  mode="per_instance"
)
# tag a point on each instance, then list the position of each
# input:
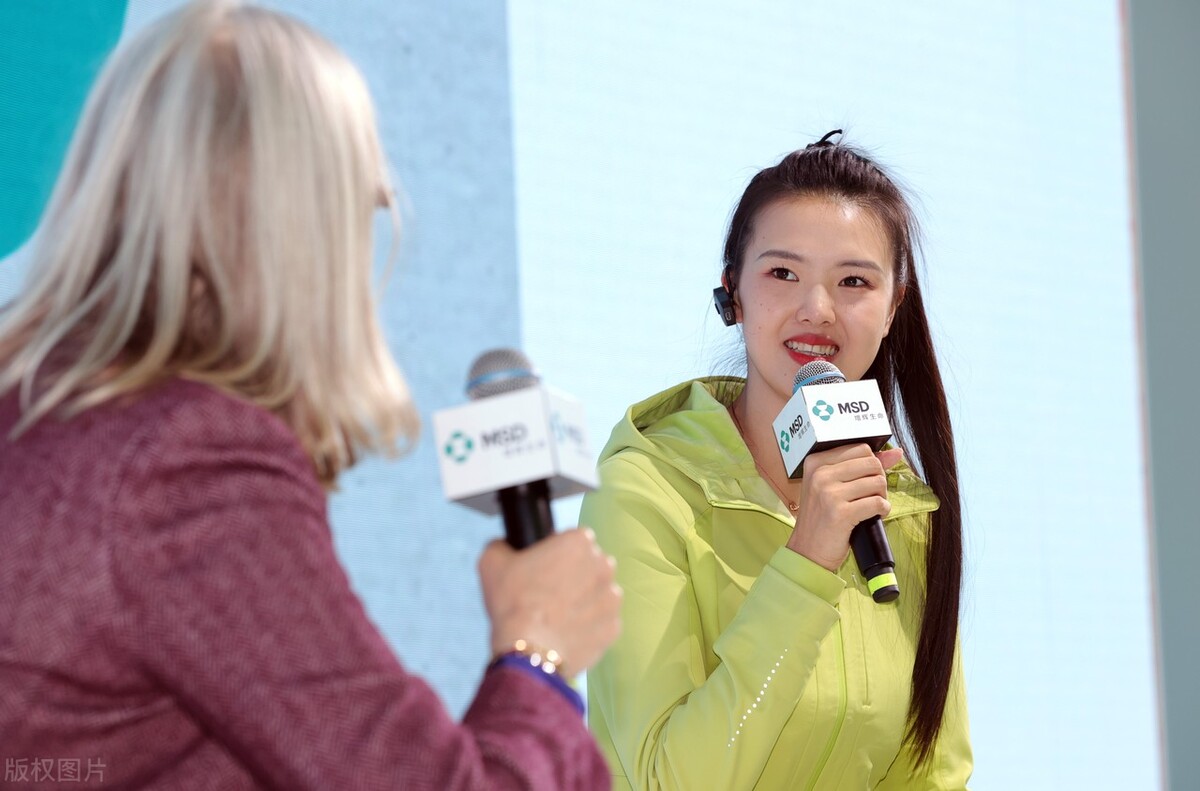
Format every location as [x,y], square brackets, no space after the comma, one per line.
[688,427]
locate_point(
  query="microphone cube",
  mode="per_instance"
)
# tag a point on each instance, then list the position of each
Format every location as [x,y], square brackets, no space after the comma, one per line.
[820,417]
[531,434]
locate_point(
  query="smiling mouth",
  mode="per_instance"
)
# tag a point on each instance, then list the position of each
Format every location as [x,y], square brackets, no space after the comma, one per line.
[813,350]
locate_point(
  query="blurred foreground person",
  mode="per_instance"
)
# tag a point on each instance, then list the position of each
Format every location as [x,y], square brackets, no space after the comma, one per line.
[195,360]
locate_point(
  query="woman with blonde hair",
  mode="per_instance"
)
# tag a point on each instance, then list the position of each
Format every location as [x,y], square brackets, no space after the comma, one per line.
[194,361]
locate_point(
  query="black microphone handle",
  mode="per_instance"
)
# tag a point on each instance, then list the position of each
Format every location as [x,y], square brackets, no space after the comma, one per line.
[869,542]
[526,511]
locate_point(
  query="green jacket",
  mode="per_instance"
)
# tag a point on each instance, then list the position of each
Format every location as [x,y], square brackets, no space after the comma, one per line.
[742,664]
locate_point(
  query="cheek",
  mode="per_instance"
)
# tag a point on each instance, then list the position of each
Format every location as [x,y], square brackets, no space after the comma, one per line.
[752,312]
[881,315]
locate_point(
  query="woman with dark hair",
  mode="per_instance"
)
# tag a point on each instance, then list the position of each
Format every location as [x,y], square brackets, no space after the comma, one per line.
[753,654]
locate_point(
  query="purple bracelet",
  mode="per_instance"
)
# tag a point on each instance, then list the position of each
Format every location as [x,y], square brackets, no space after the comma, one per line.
[522,662]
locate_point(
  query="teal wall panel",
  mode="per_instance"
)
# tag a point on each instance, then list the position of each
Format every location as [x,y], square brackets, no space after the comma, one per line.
[50,51]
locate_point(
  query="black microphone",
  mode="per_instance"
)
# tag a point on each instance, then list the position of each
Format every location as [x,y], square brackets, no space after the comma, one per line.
[525,507]
[825,411]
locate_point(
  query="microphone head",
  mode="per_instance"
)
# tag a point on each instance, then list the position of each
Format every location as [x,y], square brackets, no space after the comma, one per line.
[500,371]
[817,372]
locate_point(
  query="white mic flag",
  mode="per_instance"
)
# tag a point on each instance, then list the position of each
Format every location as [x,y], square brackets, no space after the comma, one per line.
[532,434]
[822,416]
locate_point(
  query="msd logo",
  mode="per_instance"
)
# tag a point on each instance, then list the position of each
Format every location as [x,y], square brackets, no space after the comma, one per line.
[822,410]
[459,446]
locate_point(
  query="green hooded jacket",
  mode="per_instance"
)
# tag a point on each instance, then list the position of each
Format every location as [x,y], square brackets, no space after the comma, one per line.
[742,664]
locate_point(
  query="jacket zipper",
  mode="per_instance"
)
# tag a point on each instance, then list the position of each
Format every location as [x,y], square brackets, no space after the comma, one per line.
[836,731]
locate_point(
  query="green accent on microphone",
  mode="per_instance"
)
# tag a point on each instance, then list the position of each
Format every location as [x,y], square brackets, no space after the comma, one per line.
[884,588]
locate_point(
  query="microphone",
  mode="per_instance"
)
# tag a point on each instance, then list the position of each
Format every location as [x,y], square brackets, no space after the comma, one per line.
[825,411]
[514,447]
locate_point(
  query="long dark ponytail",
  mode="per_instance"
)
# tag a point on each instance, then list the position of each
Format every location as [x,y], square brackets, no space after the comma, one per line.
[907,372]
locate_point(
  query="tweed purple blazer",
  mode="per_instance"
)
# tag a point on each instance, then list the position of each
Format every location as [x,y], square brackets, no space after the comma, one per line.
[173,615]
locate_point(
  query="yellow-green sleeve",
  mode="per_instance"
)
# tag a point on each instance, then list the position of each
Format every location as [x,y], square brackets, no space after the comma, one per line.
[666,720]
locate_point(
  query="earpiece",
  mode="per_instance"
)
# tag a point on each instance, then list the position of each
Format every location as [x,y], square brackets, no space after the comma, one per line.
[723,301]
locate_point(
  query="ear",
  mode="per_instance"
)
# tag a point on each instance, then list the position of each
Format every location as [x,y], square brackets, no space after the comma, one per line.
[730,287]
[726,308]
[887,326]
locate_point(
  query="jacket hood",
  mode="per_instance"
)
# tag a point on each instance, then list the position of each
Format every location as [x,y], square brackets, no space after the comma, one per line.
[688,427]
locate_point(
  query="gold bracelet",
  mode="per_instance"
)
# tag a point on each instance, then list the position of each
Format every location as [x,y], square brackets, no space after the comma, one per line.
[548,661]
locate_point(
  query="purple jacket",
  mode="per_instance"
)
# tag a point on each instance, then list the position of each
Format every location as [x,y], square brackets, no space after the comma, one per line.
[173,615]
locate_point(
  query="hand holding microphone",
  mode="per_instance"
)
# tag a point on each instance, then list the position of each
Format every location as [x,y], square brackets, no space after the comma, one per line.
[557,594]
[516,445]
[843,488]
[829,433]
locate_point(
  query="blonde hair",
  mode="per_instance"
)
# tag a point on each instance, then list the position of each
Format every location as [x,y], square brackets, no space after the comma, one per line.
[213,222]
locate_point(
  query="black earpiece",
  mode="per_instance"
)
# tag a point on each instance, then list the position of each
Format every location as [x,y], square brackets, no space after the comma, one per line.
[723,301]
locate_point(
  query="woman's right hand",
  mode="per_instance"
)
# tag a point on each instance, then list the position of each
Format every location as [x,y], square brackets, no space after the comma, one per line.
[842,487]
[557,594]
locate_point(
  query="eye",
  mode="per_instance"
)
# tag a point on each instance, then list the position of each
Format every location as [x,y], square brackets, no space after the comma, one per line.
[780,273]
[854,281]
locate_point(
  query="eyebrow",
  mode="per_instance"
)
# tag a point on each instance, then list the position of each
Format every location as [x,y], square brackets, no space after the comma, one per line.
[856,263]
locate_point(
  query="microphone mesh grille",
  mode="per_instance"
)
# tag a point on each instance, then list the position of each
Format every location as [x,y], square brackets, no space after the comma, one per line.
[817,372]
[500,371]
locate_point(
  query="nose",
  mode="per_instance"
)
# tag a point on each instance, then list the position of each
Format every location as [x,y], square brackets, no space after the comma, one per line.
[815,306]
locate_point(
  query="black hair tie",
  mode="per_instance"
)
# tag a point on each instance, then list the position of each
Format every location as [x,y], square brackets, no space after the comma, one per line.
[825,141]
